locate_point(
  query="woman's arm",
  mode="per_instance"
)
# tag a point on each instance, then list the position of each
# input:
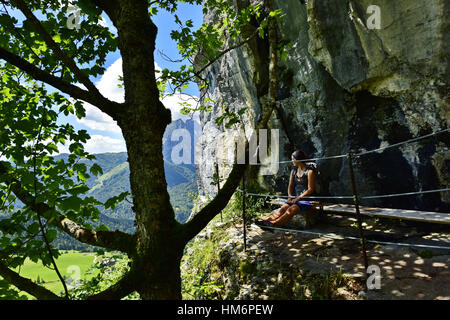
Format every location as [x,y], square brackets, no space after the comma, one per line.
[291,184]
[291,187]
[311,184]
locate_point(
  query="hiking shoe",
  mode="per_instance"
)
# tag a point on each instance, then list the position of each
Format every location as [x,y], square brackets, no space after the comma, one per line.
[263,224]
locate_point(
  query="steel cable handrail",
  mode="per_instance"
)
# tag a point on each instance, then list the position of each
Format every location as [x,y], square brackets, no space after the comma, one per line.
[355,196]
[404,194]
[360,153]
[340,237]
[403,142]
[284,196]
[348,197]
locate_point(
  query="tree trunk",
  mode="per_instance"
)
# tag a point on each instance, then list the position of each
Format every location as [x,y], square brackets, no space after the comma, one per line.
[159,249]
[143,122]
[160,278]
[160,238]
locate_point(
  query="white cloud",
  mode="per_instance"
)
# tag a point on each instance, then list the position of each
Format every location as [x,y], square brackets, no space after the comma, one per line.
[97,144]
[103,22]
[108,86]
[100,121]
[101,144]
[172,102]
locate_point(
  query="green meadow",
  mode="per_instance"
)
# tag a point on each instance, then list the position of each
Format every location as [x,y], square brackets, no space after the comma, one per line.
[70,264]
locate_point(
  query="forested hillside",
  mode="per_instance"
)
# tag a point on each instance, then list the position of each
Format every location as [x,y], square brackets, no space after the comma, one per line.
[181,182]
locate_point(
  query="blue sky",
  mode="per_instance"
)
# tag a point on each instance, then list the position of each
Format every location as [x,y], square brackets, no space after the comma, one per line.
[165,23]
[105,134]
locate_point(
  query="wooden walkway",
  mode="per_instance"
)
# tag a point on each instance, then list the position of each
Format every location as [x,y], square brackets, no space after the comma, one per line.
[421,216]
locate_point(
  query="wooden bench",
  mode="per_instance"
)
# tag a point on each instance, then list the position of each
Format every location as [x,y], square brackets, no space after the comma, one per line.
[413,215]
[280,202]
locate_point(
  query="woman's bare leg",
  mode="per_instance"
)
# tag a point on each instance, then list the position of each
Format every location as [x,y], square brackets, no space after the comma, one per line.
[287,216]
[279,213]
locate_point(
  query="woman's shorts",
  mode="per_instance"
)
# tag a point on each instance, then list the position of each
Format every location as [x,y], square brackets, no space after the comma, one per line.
[303,205]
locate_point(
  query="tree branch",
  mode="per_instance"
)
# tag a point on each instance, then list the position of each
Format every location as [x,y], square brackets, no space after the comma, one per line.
[75,92]
[26,284]
[20,36]
[41,225]
[198,72]
[70,63]
[115,240]
[273,65]
[111,7]
[120,289]
[205,215]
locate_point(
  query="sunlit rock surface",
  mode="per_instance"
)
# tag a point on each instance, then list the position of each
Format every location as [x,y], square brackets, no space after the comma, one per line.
[344,87]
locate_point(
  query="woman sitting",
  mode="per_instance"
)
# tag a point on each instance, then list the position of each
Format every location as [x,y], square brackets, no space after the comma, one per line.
[302,181]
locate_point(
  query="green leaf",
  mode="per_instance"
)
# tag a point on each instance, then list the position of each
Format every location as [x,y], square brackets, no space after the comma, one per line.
[82,176]
[231,122]
[76,148]
[102,228]
[51,235]
[261,33]
[34,228]
[220,119]
[96,170]
[51,147]
[79,189]
[70,203]
[80,112]
[242,111]
[112,202]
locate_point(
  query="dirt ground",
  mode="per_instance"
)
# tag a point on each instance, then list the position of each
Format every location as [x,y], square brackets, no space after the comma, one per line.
[405,272]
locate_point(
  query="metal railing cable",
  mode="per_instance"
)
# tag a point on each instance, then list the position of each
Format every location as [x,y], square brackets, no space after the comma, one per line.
[363,152]
[350,156]
[316,159]
[284,196]
[348,197]
[405,194]
[340,237]
[358,155]
[401,143]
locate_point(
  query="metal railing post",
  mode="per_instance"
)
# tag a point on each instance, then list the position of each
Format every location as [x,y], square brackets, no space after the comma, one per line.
[358,215]
[243,212]
[218,187]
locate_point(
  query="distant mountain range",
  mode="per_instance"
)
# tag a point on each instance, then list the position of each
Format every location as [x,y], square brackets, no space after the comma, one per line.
[181,178]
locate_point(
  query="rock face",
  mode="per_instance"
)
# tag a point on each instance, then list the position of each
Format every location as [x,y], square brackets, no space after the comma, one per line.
[345,86]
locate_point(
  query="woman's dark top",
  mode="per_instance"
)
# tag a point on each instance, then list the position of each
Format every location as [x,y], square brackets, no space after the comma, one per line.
[301,184]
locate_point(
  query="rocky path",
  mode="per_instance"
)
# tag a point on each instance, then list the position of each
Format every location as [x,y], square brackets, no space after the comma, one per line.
[406,272]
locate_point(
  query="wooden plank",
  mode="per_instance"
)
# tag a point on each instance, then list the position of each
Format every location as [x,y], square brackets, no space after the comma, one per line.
[422,216]
[414,215]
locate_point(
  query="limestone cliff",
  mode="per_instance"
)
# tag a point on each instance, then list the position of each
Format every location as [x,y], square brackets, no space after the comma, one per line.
[346,86]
